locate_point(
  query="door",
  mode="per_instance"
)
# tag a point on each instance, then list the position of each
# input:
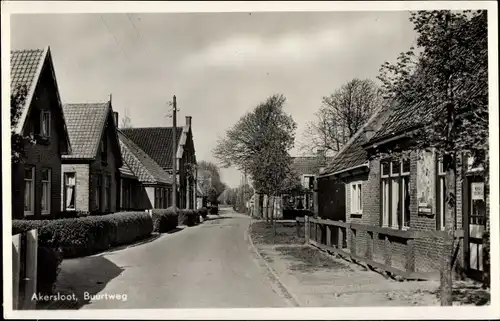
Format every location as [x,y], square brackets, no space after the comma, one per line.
[476,221]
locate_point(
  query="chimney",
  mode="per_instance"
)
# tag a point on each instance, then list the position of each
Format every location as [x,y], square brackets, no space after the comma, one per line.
[369,132]
[188,121]
[115,117]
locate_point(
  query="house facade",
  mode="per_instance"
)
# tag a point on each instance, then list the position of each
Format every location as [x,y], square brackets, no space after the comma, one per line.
[157,143]
[36,180]
[91,173]
[397,201]
[144,183]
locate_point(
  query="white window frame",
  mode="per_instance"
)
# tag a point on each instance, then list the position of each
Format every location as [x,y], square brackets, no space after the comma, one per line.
[42,123]
[32,194]
[66,208]
[357,197]
[442,194]
[49,188]
[390,182]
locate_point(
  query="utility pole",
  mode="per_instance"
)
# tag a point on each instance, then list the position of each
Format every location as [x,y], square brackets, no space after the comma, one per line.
[174,153]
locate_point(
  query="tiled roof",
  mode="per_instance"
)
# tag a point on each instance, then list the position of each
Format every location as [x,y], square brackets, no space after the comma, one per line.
[353,153]
[85,125]
[308,164]
[125,170]
[25,66]
[140,164]
[156,142]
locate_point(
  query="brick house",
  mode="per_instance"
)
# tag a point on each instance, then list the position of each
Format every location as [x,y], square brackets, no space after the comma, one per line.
[144,183]
[36,181]
[397,204]
[157,143]
[91,174]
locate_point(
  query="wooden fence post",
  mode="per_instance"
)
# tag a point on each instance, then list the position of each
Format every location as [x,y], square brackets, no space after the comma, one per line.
[306,229]
[297,226]
[16,269]
[353,241]
[369,245]
[340,238]
[328,235]
[31,268]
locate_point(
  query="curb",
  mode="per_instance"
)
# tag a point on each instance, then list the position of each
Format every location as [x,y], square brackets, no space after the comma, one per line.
[285,292]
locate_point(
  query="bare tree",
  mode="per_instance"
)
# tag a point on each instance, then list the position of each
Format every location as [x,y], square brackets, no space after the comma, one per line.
[341,115]
[209,180]
[126,122]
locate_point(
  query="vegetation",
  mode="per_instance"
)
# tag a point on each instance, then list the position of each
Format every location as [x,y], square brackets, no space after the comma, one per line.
[210,181]
[445,80]
[165,220]
[18,141]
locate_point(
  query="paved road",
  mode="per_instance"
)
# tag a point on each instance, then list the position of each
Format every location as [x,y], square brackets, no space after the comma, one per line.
[207,266]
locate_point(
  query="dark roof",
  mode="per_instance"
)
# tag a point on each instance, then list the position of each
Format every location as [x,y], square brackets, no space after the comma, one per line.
[85,126]
[125,170]
[156,142]
[309,164]
[353,153]
[140,164]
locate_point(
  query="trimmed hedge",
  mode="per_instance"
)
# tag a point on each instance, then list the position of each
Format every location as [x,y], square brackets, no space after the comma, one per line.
[203,212]
[165,220]
[214,209]
[291,214]
[90,234]
[189,217]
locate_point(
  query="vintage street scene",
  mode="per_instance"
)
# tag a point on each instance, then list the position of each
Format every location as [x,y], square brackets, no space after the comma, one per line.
[250,159]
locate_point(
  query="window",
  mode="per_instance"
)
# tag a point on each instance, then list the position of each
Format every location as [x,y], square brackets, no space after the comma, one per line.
[160,197]
[45,125]
[356,198]
[395,194]
[157,198]
[70,191]
[441,195]
[106,195]
[29,190]
[98,191]
[46,193]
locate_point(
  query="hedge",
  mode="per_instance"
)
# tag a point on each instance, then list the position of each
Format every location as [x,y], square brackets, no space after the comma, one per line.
[189,217]
[203,212]
[214,209]
[90,234]
[165,220]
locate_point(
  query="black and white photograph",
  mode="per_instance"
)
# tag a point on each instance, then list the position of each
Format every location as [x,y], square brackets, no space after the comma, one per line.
[202,158]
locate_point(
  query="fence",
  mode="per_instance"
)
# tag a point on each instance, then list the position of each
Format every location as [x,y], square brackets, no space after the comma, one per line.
[24,269]
[332,236]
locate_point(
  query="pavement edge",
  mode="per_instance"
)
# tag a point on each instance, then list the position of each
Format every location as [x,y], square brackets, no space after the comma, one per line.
[285,292]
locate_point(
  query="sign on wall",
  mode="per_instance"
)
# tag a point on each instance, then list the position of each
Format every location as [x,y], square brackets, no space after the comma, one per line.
[426,172]
[477,190]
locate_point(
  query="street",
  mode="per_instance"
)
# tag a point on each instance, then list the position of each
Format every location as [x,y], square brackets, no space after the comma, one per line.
[207,266]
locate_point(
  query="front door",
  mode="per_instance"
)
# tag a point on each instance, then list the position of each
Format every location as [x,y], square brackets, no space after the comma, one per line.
[476,221]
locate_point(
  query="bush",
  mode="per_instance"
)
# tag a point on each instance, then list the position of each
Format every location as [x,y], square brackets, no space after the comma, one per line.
[90,234]
[165,220]
[214,209]
[291,214]
[49,265]
[189,217]
[20,226]
[203,212]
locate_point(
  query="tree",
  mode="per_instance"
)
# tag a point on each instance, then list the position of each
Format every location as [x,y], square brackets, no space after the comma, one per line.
[210,181]
[126,122]
[18,141]
[446,81]
[259,143]
[341,115]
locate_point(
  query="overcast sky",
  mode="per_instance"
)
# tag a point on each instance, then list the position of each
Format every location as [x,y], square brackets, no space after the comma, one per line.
[219,65]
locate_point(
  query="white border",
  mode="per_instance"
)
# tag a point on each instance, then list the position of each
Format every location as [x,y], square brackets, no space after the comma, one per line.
[465,313]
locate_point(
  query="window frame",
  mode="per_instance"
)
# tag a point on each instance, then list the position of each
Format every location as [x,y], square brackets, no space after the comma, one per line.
[356,200]
[98,192]
[42,123]
[106,193]
[396,177]
[49,183]
[440,194]
[32,194]
[66,174]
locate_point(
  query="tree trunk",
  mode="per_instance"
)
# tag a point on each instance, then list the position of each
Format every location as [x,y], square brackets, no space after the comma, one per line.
[273,219]
[448,242]
[266,212]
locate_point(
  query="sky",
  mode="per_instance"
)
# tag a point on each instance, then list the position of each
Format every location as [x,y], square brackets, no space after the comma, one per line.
[219,65]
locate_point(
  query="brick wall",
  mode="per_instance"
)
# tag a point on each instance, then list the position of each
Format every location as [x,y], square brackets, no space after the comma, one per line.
[41,155]
[82,185]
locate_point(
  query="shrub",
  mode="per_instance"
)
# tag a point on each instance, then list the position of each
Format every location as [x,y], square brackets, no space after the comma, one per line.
[486,259]
[49,265]
[203,212]
[90,234]
[291,214]
[214,209]
[165,220]
[189,217]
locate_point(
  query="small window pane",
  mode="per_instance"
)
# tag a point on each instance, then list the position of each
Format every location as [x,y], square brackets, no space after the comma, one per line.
[385,168]
[45,174]
[395,167]
[28,172]
[70,179]
[406,166]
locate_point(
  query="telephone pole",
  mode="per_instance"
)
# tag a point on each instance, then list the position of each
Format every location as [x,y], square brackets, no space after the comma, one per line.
[174,153]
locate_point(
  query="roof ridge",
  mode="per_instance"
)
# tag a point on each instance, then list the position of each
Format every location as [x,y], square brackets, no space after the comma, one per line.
[28,50]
